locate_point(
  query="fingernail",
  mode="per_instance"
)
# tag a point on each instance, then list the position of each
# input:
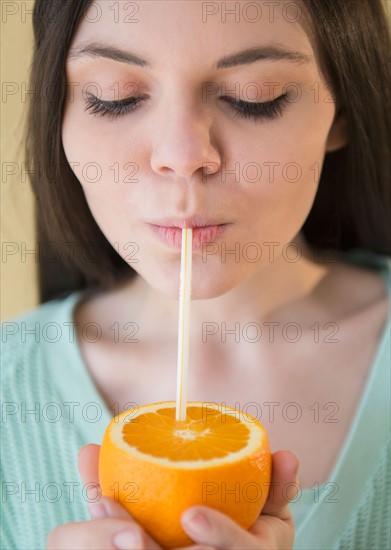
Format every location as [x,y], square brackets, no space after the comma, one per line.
[97,510]
[127,540]
[195,521]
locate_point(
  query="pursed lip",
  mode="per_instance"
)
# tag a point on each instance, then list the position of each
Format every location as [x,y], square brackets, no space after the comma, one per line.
[205,230]
[189,221]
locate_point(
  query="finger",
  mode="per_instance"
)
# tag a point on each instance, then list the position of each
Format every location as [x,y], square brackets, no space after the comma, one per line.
[88,464]
[98,505]
[104,534]
[208,526]
[284,485]
[105,507]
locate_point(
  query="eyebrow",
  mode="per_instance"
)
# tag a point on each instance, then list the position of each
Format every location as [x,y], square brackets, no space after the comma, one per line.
[250,55]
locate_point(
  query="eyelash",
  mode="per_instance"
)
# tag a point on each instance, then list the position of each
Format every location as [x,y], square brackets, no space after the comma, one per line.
[270,110]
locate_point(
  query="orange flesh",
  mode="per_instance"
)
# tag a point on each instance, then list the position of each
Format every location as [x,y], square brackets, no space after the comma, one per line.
[205,434]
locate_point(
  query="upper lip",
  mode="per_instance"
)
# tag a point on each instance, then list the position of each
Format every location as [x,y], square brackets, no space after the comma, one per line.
[187,222]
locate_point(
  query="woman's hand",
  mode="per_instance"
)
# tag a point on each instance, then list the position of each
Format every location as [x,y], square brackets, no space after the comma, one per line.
[109,523]
[273,530]
[112,527]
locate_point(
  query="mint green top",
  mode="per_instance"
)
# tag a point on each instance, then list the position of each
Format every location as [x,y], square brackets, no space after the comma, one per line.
[51,408]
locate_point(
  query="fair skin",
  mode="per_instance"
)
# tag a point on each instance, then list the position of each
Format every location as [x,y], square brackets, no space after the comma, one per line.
[171,137]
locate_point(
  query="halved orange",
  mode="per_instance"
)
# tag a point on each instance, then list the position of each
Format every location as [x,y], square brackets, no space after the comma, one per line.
[157,467]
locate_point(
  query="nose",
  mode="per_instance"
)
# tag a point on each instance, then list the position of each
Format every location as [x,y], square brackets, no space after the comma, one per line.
[182,142]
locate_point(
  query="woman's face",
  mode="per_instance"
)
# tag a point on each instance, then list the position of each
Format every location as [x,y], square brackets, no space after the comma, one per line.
[181,154]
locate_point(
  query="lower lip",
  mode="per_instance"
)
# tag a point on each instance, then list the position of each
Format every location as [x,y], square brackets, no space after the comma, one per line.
[201,235]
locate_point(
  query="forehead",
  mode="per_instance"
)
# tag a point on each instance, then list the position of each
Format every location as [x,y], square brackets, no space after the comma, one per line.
[172,34]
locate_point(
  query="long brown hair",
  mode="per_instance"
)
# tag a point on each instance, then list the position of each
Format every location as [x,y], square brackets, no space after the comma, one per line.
[352,205]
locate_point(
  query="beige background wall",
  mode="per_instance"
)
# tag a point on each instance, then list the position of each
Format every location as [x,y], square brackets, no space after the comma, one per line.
[18,290]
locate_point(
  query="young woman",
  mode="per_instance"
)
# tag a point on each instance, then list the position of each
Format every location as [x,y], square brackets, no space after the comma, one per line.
[264,126]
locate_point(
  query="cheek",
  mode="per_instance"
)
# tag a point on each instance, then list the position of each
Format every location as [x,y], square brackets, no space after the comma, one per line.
[279,173]
[104,169]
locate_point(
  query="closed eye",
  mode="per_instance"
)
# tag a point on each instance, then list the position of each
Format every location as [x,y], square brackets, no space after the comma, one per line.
[243,109]
[112,108]
[267,110]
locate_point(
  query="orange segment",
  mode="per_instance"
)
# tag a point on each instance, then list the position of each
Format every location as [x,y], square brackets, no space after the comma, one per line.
[157,467]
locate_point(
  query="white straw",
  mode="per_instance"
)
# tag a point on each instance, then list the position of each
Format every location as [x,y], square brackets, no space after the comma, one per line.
[184,324]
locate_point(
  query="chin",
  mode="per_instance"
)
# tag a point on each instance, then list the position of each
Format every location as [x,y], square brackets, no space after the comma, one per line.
[210,279]
[206,284]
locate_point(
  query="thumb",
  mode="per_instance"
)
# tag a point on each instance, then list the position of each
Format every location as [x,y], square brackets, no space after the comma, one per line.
[98,505]
[207,526]
[284,485]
